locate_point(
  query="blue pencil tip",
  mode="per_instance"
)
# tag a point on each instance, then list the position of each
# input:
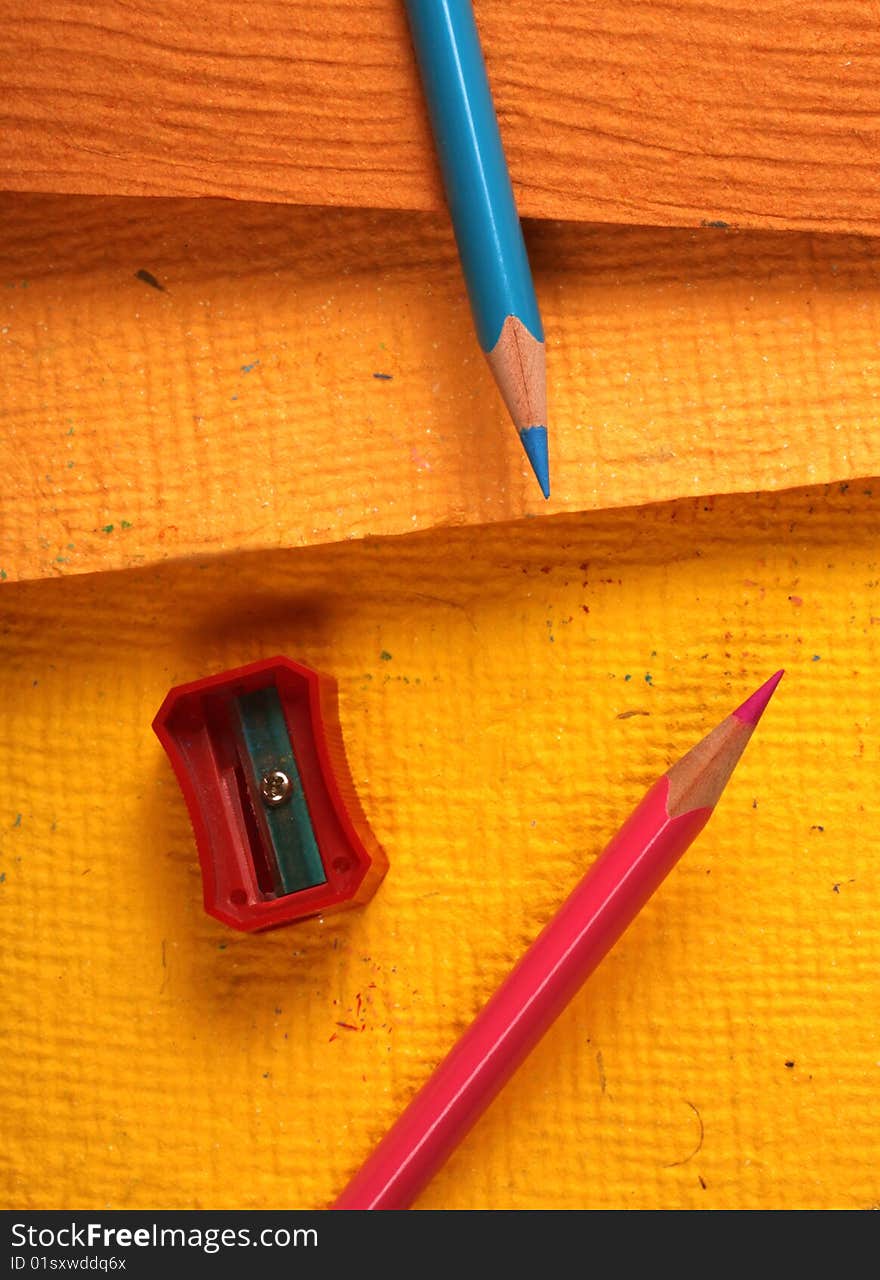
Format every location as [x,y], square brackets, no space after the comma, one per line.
[534,441]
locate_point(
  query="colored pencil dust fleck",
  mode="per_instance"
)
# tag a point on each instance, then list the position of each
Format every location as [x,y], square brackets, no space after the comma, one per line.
[148,278]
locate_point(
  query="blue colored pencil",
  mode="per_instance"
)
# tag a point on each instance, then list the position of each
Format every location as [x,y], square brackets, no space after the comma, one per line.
[487,227]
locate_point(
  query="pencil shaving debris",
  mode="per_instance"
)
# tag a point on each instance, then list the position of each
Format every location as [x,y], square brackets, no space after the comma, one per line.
[677,1163]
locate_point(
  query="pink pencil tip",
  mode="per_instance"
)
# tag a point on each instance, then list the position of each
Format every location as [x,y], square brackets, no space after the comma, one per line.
[753,708]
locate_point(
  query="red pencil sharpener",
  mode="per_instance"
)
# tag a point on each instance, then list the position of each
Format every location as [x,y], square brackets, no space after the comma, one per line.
[259,757]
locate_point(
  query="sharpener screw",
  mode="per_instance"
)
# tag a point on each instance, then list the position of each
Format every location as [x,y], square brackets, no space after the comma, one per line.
[275,788]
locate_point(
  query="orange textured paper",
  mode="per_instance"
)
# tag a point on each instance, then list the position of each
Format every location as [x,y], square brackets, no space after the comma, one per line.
[185,377]
[506,695]
[675,113]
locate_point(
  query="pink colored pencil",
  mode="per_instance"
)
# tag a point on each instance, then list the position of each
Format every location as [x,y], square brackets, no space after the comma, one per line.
[606,901]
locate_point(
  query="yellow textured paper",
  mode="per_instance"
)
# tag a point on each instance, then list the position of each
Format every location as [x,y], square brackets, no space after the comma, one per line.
[506,694]
[187,376]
